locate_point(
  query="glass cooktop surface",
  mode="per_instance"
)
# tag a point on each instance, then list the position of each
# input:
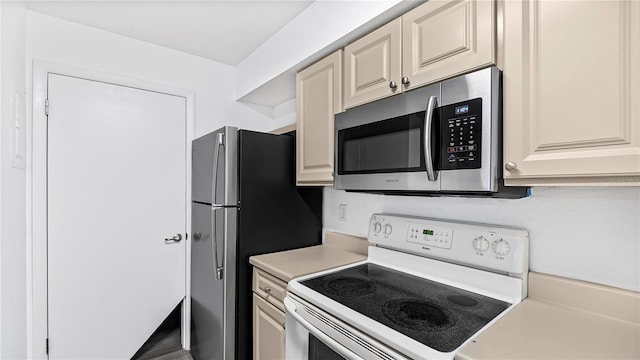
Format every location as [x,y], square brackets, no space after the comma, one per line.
[434,314]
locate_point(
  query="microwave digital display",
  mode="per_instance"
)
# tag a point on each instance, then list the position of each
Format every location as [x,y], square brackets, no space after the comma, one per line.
[462,109]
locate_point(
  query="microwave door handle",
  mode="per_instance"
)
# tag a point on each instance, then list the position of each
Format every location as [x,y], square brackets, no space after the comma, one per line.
[214,180]
[218,266]
[428,129]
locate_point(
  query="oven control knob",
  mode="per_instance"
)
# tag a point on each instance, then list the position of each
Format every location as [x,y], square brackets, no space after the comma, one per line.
[480,244]
[387,229]
[377,227]
[501,247]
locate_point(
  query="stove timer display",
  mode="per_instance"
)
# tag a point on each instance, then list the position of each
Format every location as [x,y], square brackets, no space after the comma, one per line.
[436,237]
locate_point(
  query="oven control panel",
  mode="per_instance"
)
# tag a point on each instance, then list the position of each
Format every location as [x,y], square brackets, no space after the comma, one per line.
[432,236]
[486,246]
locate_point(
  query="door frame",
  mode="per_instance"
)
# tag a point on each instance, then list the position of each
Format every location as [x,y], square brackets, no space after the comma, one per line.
[37,327]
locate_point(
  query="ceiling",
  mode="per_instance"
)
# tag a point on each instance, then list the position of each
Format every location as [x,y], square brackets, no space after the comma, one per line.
[223,31]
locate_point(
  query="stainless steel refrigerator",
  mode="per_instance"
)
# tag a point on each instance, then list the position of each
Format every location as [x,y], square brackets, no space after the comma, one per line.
[244,202]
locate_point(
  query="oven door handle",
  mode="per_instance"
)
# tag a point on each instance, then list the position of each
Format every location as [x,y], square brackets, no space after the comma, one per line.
[428,129]
[336,346]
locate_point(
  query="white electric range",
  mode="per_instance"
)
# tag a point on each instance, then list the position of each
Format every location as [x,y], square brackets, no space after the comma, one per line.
[427,287]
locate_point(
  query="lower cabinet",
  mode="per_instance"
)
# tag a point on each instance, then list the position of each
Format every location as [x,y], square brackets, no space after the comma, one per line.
[268,316]
[268,330]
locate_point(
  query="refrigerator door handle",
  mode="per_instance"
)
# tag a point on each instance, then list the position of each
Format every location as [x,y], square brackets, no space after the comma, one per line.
[216,154]
[217,265]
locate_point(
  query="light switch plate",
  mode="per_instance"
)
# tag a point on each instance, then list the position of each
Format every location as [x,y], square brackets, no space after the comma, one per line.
[19,131]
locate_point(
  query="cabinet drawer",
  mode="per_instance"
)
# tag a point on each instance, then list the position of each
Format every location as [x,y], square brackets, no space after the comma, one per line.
[269,287]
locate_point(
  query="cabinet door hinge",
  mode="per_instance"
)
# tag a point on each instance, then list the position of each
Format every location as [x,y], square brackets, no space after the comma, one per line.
[47,345]
[46,107]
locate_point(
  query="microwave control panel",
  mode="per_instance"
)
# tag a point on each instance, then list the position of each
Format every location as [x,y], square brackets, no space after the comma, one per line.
[461,135]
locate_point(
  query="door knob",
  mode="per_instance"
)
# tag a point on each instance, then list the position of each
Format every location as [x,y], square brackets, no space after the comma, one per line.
[393,85]
[405,80]
[175,238]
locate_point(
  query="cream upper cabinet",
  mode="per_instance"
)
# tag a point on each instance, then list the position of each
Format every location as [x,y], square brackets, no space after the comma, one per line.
[434,41]
[372,65]
[571,92]
[318,98]
[441,39]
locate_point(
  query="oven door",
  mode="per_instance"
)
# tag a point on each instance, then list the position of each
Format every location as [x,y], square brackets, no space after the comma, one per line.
[313,334]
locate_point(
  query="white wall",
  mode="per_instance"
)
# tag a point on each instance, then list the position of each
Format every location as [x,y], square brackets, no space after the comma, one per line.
[586,233]
[13,245]
[285,113]
[64,42]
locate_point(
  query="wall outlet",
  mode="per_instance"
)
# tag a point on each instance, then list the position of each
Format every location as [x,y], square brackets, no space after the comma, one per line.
[342,214]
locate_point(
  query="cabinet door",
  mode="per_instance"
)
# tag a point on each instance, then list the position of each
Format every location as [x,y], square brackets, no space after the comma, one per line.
[372,65]
[446,38]
[318,98]
[268,331]
[571,92]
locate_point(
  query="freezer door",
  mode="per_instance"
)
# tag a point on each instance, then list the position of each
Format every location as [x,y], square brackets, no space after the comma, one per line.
[214,163]
[212,285]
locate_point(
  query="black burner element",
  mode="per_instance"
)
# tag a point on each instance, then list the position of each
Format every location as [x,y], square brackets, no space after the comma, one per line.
[462,300]
[349,286]
[417,315]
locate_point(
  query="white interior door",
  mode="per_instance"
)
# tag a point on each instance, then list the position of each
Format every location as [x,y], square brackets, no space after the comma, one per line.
[116,189]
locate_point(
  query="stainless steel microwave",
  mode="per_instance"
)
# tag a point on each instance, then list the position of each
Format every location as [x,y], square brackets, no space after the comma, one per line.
[443,138]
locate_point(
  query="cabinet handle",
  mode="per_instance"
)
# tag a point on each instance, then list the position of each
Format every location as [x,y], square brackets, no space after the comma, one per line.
[405,80]
[393,85]
[267,289]
[510,166]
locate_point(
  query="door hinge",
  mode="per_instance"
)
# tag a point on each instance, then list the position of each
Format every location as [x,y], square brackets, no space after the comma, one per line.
[46,107]
[47,345]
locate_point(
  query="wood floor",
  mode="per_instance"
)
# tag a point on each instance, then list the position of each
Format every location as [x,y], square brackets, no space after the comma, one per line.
[164,344]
